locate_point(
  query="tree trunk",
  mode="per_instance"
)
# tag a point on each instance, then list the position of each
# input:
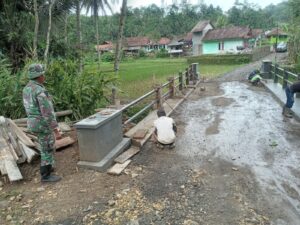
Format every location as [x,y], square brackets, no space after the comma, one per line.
[36,29]
[79,36]
[96,8]
[51,3]
[66,29]
[120,35]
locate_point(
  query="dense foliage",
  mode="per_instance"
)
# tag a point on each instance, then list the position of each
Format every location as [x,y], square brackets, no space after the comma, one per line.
[82,93]
[156,22]
[294,31]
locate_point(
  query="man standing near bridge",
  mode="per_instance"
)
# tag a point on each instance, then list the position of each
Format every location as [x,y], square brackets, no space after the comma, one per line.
[41,119]
[290,91]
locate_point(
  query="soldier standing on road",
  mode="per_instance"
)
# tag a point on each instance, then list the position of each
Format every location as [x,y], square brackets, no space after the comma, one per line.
[290,91]
[41,119]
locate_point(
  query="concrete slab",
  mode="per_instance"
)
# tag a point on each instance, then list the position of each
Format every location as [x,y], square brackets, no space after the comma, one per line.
[107,161]
[279,93]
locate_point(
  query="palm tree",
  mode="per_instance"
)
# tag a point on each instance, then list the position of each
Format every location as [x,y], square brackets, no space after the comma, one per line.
[94,6]
[120,35]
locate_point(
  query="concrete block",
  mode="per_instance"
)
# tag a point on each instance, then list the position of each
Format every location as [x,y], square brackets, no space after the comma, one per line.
[108,160]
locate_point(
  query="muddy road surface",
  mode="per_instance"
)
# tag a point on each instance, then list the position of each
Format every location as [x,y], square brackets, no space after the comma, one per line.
[236,162]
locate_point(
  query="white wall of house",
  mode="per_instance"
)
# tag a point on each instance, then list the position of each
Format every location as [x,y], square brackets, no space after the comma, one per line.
[222,46]
[197,40]
[230,46]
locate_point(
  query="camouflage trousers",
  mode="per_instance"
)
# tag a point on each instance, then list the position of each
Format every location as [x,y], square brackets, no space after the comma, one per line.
[47,143]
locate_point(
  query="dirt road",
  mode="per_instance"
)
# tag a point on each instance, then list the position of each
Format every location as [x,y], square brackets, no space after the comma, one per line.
[236,162]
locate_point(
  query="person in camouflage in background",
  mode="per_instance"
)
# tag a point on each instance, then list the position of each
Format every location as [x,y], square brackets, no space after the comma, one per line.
[41,119]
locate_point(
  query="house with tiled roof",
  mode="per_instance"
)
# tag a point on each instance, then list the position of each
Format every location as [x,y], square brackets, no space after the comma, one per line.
[226,40]
[106,46]
[134,44]
[162,43]
[198,33]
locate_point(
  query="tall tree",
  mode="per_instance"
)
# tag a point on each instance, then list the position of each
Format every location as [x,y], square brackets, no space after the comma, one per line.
[51,3]
[79,33]
[120,35]
[36,28]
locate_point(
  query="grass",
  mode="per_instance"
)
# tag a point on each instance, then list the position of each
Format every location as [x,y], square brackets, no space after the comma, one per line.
[137,77]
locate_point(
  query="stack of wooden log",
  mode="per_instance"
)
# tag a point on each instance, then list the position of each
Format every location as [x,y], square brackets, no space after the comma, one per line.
[18,145]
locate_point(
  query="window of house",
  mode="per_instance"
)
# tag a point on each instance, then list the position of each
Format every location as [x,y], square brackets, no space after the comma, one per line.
[221,45]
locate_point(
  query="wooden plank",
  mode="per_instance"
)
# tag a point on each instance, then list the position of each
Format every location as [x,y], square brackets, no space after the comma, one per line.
[30,153]
[20,134]
[13,171]
[118,168]
[140,134]
[12,151]
[127,155]
[140,142]
[64,127]
[2,166]
[64,142]
[8,164]
[32,137]
[57,114]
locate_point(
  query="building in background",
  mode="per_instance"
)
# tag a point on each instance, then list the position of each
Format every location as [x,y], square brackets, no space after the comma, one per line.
[198,33]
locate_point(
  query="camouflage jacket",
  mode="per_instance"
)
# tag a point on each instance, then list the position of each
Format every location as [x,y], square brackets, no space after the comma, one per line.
[39,108]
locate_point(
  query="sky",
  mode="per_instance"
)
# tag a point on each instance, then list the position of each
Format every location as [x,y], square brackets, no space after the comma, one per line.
[224,4]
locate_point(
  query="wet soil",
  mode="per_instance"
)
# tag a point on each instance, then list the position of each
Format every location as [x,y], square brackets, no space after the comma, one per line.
[236,161]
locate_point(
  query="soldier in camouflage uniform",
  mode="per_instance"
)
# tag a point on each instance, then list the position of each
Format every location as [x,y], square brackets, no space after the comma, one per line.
[41,119]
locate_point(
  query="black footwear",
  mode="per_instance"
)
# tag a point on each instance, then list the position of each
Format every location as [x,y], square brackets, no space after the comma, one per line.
[286,112]
[46,174]
[160,146]
[171,146]
[51,178]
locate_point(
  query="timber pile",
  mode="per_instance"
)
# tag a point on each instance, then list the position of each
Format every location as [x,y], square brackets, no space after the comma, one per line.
[18,146]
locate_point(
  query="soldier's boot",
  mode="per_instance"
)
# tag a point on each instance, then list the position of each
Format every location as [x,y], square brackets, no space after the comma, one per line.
[46,174]
[286,112]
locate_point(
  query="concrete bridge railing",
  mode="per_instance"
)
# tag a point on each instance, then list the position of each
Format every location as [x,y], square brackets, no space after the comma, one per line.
[278,74]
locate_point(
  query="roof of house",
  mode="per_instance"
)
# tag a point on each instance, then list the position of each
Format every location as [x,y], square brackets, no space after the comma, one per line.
[176,41]
[256,32]
[106,45]
[164,41]
[188,37]
[137,41]
[228,33]
[276,31]
[200,26]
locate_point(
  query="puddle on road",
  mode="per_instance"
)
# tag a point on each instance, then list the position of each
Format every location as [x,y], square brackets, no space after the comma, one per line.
[254,134]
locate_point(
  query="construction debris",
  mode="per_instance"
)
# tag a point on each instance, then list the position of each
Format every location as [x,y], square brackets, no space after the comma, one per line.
[18,145]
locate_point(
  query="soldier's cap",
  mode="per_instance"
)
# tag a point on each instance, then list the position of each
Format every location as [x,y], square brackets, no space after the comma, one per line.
[35,70]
